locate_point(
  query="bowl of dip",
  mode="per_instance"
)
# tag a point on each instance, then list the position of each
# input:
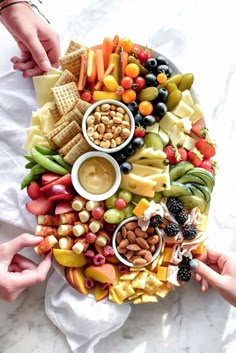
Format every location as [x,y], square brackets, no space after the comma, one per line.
[108,126]
[96,176]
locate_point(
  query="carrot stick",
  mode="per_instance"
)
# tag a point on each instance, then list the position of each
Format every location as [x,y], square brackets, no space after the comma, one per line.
[107,49]
[99,64]
[91,66]
[83,72]
[108,71]
[123,61]
[116,39]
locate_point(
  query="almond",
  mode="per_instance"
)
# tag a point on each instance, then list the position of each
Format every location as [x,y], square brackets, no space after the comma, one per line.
[129,254]
[133,247]
[154,239]
[150,230]
[124,232]
[139,262]
[121,250]
[124,243]
[118,237]
[140,233]
[131,237]
[131,225]
[142,242]
[148,256]
[142,252]
[152,248]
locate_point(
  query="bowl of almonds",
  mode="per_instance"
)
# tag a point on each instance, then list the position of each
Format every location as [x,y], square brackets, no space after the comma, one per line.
[133,246]
[108,126]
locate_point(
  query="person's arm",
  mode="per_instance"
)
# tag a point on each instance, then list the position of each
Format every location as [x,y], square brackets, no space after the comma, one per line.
[217,269]
[38,41]
[18,272]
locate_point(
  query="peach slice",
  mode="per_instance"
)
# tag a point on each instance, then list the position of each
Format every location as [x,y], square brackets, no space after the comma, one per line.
[100,294]
[104,273]
[69,275]
[68,258]
[78,280]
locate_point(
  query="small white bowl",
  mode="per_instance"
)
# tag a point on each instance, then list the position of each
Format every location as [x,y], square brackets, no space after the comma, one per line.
[90,111]
[121,257]
[81,189]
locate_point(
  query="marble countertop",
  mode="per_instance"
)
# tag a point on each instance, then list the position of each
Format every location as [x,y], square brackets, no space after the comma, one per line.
[198,38]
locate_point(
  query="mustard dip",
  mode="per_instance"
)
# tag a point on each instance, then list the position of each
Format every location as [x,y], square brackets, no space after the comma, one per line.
[96,175]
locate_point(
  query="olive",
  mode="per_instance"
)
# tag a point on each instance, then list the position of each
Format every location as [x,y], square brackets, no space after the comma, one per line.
[126,167]
[149,120]
[151,80]
[133,107]
[166,69]
[160,109]
[151,64]
[138,142]
[128,150]
[186,82]
[119,157]
[162,94]
[173,99]
[161,60]
[171,87]
[138,119]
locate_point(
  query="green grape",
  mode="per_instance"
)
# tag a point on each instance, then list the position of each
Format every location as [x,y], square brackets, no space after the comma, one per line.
[136,198]
[110,202]
[128,210]
[157,197]
[114,216]
[126,195]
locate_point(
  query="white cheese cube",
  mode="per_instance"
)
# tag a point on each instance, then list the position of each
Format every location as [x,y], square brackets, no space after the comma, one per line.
[183,110]
[197,113]
[187,98]
[168,121]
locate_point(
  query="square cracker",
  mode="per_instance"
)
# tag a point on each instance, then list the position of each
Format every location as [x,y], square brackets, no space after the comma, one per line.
[73,45]
[65,97]
[66,77]
[66,134]
[80,148]
[72,61]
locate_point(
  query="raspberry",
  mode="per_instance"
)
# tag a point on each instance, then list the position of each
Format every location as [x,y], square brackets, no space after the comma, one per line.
[103,286]
[123,269]
[171,229]
[184,274]
[174,205]
[108,251]
[89,254]
[181,217]
[89,283]
[99,260]
[189,231]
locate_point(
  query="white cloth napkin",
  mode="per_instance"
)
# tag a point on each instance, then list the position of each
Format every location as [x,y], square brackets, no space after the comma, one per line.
[83,321]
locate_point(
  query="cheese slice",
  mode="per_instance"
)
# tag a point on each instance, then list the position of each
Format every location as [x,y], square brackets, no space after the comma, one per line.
[162,181]
[43,85]
[144,170]
[157,163]
[138,185]
[147,153]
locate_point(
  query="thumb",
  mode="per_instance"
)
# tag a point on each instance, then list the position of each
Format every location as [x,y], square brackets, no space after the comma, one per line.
[207,273]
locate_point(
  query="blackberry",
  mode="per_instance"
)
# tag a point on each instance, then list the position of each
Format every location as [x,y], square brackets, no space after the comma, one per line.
[181,217]
[171,229]
[184,274]
[185,261]
[189,231]
[155,221]
[174,205]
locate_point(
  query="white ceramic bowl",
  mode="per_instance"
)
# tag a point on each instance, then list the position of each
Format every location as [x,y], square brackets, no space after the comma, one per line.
[82,190]
[91,109]
[120,256]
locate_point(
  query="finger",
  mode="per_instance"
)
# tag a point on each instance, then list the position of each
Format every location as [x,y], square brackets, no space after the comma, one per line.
[38,52]
[22,66]
[13,246]
[206,273]
[36,71]
[23,262]
[210,255]
[204,285]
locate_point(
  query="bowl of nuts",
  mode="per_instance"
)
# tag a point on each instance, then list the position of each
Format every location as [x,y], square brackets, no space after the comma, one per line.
[133,246]
[108,126]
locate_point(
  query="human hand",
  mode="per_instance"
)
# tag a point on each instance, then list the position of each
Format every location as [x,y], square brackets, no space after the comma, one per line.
[18,272]
[217,269]
[38,42]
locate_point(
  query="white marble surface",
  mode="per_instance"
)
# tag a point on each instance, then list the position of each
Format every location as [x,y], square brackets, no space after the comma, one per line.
[199,37]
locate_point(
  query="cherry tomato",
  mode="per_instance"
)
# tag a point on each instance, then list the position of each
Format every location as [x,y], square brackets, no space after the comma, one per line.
[144,55]
[120,91]
[126,44]
[86,96]
[136,51]
[139,83]
[127,82]
[129,96]
[145,108]
[132,70]
[161,77]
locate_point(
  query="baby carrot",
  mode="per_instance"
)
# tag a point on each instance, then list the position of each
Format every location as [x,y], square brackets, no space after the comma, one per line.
[99,64]
[107,49]
[116,39]
[123,61]
[91,66]
[83,72]
[99,85]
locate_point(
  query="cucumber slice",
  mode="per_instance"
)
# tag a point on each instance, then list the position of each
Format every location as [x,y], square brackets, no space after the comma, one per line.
[153,140]
[203,173]
[189,202]
[195,191]
[190,178]
[207,180]
[176,190]
[205,191]
[179,169]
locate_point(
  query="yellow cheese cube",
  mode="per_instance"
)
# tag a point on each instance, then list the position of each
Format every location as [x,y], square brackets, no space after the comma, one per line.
[162,181]
[161,273]
[167,254]
[140,208]
[138,185]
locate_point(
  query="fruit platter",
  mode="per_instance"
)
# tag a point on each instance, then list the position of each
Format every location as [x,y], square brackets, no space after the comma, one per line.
[120,171]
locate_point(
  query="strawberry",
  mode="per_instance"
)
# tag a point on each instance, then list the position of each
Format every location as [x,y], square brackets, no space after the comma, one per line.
[198,127]
[209,165]
[195,157]
[175,154]
[206,147]
[139,131]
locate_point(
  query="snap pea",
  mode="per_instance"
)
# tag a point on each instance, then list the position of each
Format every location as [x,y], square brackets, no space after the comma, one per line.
[47,163]
[44,150]
[29,157]
[60,160]
[30,165]
[38,169]
[27,180]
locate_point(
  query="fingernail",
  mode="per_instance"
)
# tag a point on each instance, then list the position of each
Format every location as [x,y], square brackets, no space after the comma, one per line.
[193,264]
[46,65]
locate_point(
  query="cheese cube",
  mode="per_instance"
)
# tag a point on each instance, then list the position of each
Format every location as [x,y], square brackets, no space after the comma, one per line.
[164,136]
[183,110]
[184,124]
[187,98]
[177,137]
[161,273]
[197,113]
[189,142]
[153,128]
[168,121]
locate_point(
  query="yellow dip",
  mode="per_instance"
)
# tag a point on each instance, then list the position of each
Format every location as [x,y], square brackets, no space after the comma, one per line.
[96,175]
